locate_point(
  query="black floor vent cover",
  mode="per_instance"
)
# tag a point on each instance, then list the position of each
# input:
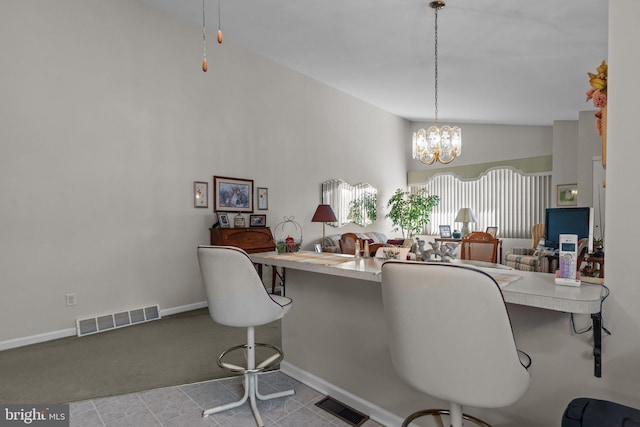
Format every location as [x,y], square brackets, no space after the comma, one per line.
[340,410]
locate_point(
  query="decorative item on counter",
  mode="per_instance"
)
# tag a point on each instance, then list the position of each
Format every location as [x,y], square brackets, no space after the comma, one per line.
[365,253]
[288,235]
[443,251]
[456,234]
[391,252]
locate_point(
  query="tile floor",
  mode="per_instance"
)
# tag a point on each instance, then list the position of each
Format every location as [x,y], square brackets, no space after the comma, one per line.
[181,406]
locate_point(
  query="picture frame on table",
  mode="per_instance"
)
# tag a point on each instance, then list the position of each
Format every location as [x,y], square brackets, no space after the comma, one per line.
[257,220]
[493,231]
[567,195]
[200,194]
[263,198]
[239,221]
[445,231]
[232,194]
[223,219]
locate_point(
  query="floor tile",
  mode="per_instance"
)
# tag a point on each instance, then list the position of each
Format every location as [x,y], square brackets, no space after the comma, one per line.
[182,406]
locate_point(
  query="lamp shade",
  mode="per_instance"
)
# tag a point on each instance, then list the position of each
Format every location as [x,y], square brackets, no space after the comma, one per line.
[324,213]
[466,215]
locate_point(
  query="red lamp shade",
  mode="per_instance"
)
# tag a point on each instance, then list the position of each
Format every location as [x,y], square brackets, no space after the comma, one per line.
[324,213]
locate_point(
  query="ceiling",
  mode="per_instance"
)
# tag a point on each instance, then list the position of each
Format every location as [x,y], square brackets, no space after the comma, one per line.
[500,61]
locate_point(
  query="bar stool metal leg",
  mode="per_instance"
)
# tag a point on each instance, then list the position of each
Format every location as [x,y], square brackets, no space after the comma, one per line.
[250,377]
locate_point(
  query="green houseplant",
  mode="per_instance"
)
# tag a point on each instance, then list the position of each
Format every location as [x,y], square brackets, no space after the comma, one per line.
[409,212]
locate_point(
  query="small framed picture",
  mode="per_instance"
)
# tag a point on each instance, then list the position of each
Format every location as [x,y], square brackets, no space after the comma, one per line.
[493,231]
[224,220]
[257,220]
[445,231]
[567,195]
[200,194]
[239,222]
[232,194]
[263,198]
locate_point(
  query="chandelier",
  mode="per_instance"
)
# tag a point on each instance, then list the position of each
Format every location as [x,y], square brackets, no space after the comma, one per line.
[444,143]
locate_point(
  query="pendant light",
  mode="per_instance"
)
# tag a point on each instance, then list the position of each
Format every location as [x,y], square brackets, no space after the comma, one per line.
[438,143]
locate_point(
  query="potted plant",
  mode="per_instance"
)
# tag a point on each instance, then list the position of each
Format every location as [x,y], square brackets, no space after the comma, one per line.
[409,212]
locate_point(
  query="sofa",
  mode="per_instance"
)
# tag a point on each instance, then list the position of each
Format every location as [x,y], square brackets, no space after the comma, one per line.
[332,243]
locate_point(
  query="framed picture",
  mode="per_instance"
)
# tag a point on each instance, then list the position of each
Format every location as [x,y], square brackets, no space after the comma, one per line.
[263,198]
[567,195]
[493,231]
[223,218]
[200,194]
[257,220]
[238,221]
[232,194]
[445,231]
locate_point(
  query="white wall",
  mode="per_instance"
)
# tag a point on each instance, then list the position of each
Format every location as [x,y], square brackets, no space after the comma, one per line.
[589,146]
[106,121]
[565,159]
[622,350]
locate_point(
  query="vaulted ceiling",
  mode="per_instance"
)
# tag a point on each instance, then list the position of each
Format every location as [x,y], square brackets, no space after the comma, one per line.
[500,61]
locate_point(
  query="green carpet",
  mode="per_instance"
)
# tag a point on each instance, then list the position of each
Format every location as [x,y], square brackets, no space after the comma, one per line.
[178,349]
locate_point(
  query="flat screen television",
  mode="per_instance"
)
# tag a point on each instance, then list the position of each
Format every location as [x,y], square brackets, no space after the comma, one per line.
[568,221]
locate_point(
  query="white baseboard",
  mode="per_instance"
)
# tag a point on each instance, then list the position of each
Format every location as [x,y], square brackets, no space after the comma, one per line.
[374,412]
[35,339]
[183,308]
[63,333]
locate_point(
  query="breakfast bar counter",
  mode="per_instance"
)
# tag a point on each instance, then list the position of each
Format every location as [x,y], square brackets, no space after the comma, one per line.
[335,340]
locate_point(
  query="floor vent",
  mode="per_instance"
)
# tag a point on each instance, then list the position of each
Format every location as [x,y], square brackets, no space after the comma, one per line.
[120,319]
[342,411]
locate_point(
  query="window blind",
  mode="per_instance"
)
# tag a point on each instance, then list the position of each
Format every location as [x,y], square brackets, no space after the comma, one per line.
[501,197]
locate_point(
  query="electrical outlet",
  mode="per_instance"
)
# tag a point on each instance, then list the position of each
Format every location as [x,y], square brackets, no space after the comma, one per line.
[71,299]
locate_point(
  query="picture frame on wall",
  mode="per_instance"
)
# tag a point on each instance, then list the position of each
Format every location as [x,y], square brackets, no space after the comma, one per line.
[492,230]
[445,231]
[263,198]
[232,194]
[223,219]
[257,220]
[567,195]
[200,194]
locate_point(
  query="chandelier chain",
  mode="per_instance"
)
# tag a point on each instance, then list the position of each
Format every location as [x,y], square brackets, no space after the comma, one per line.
[436,63]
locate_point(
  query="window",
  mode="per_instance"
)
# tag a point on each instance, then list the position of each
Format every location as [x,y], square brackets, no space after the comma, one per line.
[501,197]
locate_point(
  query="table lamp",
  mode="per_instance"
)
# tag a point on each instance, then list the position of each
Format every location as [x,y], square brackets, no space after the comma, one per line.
[324,214]
[465,216]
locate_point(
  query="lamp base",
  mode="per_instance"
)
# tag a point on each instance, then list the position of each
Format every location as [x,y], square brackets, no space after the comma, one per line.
[465,229]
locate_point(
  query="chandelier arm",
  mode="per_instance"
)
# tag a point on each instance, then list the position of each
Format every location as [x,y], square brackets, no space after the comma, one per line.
[436,60]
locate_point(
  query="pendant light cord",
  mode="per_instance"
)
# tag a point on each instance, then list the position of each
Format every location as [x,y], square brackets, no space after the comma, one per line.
[204,35]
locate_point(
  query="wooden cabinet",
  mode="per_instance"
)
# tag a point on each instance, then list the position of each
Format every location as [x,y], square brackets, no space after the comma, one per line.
[252,240]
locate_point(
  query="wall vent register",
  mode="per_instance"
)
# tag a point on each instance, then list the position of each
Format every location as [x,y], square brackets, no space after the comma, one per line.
[120,319]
